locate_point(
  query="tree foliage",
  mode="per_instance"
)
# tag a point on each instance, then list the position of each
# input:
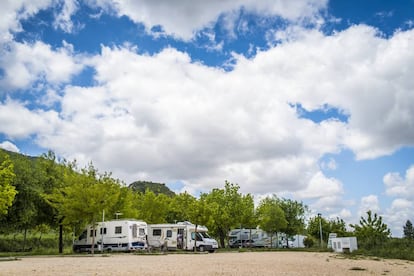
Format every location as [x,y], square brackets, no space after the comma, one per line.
[371,231]
[271,216]
[180,208]
[408,230]
[226,209]
[295,216]
[7,190]
[337,226]
[152,208]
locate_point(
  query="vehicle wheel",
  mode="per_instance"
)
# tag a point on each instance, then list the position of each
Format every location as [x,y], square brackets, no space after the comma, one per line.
[201,248]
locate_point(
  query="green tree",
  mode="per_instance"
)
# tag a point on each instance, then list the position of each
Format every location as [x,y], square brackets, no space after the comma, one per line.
[152,208]
[84,197]
[180,207]
[200,214]
[7,190]
[26,209]
[271,216]
[294,215]
[371,231]
[408,230]
[337,226]
[225,207]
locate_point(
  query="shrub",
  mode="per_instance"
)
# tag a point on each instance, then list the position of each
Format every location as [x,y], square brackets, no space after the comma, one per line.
[309,241]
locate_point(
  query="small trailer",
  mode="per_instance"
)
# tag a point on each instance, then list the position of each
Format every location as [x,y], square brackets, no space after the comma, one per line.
[344,244]
[113,235]
[181,235]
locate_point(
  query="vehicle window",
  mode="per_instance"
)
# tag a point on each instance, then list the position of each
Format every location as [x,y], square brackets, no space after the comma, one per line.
[103,231]
[141,231]
[169,233]
[91,234]
[156,232]
[204,234]
[83,235]
[118,229]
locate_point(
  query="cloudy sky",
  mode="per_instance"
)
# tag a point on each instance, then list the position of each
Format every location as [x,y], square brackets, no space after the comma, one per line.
[308,99]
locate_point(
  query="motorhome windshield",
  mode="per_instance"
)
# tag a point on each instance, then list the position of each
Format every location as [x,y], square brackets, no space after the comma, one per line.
[204,234]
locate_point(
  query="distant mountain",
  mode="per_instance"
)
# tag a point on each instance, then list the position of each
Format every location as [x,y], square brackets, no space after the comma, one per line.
[157,188]
[15,157]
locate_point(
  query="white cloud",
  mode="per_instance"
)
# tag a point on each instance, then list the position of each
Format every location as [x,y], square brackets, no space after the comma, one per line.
[12,12]
[368,203]
[400,186]
[399,212]
[348,70]
[18,121]
[402,207]
[320,186]
[63,17]
[7,145]
[184,18]
[24,64]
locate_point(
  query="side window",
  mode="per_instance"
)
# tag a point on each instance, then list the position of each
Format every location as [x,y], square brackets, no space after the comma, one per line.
[118,229]
[91,234]
[103,231]
[141,231]
[193,235]
[156,232]
[169,233]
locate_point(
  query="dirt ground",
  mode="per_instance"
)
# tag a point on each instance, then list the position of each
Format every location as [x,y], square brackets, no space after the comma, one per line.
[235,263]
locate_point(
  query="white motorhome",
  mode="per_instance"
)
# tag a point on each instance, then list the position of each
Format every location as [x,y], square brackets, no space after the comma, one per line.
[180,236]
[113,235]
[256,237]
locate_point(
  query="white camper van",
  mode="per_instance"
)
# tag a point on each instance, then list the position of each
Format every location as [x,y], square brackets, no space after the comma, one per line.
[180,236]
[114,235]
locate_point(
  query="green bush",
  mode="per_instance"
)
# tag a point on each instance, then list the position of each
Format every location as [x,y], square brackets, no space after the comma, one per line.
[34,243]
[394,248]
[309,241]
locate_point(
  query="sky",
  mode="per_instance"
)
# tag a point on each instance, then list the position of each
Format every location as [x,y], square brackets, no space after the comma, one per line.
[311,100]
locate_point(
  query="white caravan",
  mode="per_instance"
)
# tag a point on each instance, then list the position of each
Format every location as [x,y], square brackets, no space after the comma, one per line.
[113,235]
[180,236]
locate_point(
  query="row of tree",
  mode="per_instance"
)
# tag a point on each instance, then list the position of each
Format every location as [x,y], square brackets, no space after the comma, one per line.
[48,193]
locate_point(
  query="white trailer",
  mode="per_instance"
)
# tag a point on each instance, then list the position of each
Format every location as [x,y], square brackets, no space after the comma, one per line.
[113,235]
[180,236]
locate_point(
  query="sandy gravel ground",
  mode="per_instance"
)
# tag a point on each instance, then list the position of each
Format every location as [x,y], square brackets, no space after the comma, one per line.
[246,263]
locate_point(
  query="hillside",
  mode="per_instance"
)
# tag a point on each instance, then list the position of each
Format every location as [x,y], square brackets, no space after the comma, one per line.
[157,188]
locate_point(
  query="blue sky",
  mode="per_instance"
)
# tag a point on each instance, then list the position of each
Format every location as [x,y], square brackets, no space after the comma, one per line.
[311,100]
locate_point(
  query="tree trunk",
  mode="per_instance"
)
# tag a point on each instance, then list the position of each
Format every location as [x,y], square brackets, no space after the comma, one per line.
[24,239]
[195,238]
[60,238]
[93,239]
